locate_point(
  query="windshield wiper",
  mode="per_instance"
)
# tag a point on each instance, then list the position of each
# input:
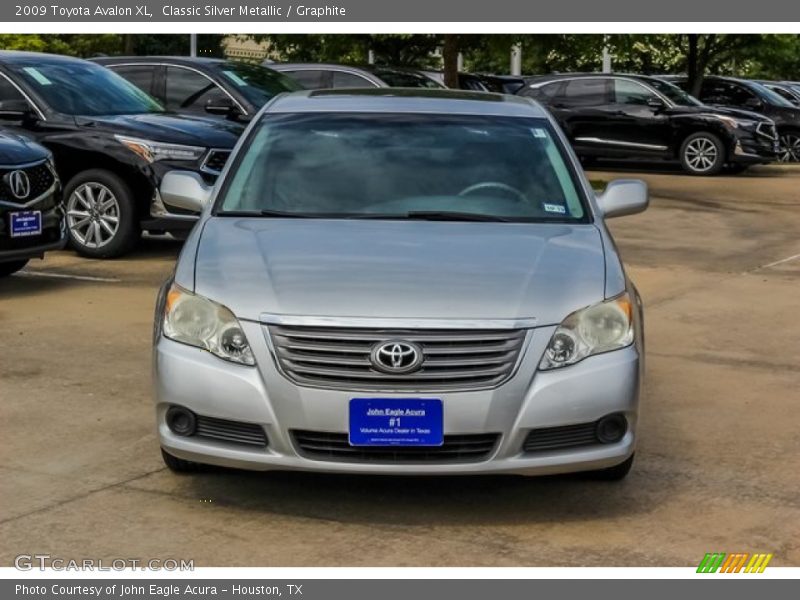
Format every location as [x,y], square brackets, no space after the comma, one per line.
[446,215]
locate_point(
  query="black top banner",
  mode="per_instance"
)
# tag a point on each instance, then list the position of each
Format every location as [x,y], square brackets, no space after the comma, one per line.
[181,11]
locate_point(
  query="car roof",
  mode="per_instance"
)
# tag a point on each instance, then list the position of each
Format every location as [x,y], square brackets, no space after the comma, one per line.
[10,56]
[406,100]
[189,60]
[562,76]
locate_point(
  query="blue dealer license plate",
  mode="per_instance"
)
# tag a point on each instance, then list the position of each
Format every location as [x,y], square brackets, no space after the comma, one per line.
[23,224]
[396,422]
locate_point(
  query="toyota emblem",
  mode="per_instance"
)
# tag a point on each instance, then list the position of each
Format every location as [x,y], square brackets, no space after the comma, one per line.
[396,357]
[19,184]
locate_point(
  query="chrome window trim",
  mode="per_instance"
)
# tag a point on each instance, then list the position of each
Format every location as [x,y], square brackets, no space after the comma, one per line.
[24,95]
[169,64]
[594,140]
[366,76]
[396,322]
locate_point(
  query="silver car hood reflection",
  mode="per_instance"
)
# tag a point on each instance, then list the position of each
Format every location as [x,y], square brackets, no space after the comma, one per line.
[399,269]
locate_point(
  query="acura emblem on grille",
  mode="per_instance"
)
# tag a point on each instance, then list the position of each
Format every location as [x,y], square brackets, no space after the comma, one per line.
[396,356]
[19,184]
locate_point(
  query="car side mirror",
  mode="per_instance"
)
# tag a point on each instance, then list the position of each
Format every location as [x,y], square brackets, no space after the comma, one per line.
[222,106]
[655,103]
[186,190]
[753,103]
[623,197]
[15,110]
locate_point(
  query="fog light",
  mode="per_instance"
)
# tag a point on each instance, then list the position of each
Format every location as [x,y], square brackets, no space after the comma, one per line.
[611,429]
[181,421]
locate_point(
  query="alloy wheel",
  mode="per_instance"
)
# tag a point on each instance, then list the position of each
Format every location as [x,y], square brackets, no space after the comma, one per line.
[701,154]
[93,214]
[790,148]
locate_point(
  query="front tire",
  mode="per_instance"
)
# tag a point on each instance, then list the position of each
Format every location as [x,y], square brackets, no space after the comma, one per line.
[9,268]
[702,153]
[790,148]
[102,220]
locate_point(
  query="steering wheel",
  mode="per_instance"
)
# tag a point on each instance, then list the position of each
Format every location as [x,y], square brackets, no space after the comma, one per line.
[476,187]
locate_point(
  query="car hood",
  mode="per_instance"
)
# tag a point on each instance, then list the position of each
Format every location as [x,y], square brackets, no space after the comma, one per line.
[171,128]
[18,150]
[720,110]
[399,269]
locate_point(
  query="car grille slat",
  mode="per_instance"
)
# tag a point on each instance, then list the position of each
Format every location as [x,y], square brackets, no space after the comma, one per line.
[321,445]
[215,161]
[231,431]
[339,357]
[562,437]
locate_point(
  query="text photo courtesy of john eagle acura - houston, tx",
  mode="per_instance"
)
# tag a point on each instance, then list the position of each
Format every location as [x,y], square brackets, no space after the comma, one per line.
[282,299]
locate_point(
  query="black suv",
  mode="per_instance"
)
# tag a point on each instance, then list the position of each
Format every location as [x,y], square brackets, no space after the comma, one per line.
[31,215]
[203,86]
[112,144]
[634,116]
[753,96]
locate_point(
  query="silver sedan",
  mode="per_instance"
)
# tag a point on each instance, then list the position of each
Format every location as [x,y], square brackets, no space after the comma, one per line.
[400,282]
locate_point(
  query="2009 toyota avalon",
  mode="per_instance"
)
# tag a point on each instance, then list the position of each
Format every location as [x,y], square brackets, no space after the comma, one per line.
[400,282]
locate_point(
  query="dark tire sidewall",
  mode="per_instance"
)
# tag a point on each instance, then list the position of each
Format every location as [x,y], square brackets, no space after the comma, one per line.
[127,234]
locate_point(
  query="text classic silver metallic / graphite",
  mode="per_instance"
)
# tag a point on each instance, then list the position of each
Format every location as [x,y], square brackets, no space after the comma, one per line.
[400,282]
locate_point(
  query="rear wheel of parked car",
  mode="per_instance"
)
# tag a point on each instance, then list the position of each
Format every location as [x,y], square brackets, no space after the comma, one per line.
[702,154]
[178,465]
[790,147]
[9,268]
[615,473]
[101,214]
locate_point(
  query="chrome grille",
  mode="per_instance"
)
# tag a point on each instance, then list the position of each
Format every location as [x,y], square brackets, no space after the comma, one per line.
[235,432]
[339,358]
[40,176]
[215,161]
[323,445]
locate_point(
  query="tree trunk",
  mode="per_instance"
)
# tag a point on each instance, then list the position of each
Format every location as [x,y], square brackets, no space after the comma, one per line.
[450,59]
[695,78]
[128,44]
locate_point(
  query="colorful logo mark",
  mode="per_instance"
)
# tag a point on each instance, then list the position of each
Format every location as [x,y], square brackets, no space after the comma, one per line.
[738,562]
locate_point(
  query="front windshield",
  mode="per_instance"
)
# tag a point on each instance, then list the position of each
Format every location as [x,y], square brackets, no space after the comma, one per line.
[257,84]
[404,166]
[82,88]
[768,95]
[674,93]
[406,79]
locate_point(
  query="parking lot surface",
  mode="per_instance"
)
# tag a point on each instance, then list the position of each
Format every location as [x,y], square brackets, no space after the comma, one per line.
[717,261]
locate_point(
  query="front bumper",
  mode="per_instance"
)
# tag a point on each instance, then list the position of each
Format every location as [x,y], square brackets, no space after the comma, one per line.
[582,393]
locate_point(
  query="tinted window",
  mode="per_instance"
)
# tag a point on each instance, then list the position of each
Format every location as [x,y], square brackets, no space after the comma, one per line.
[407,79]
[630,92]
[785,94]
[723,92]
[76,87]
[8,91]
[257,84]
[190,91]
[309,79]
[349,80]
[550,91]
[673,92]
[389,165]
[586,92]
[139,75]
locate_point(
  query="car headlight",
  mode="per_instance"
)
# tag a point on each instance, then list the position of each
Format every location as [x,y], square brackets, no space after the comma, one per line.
[736,123]
[152,151]
[599,328]
[195,320]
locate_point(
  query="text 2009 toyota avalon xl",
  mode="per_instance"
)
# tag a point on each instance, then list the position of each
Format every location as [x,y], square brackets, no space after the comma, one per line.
[398,281]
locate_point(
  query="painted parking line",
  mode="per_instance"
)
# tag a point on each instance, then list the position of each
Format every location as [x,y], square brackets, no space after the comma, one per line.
[67,276]
[779,262]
